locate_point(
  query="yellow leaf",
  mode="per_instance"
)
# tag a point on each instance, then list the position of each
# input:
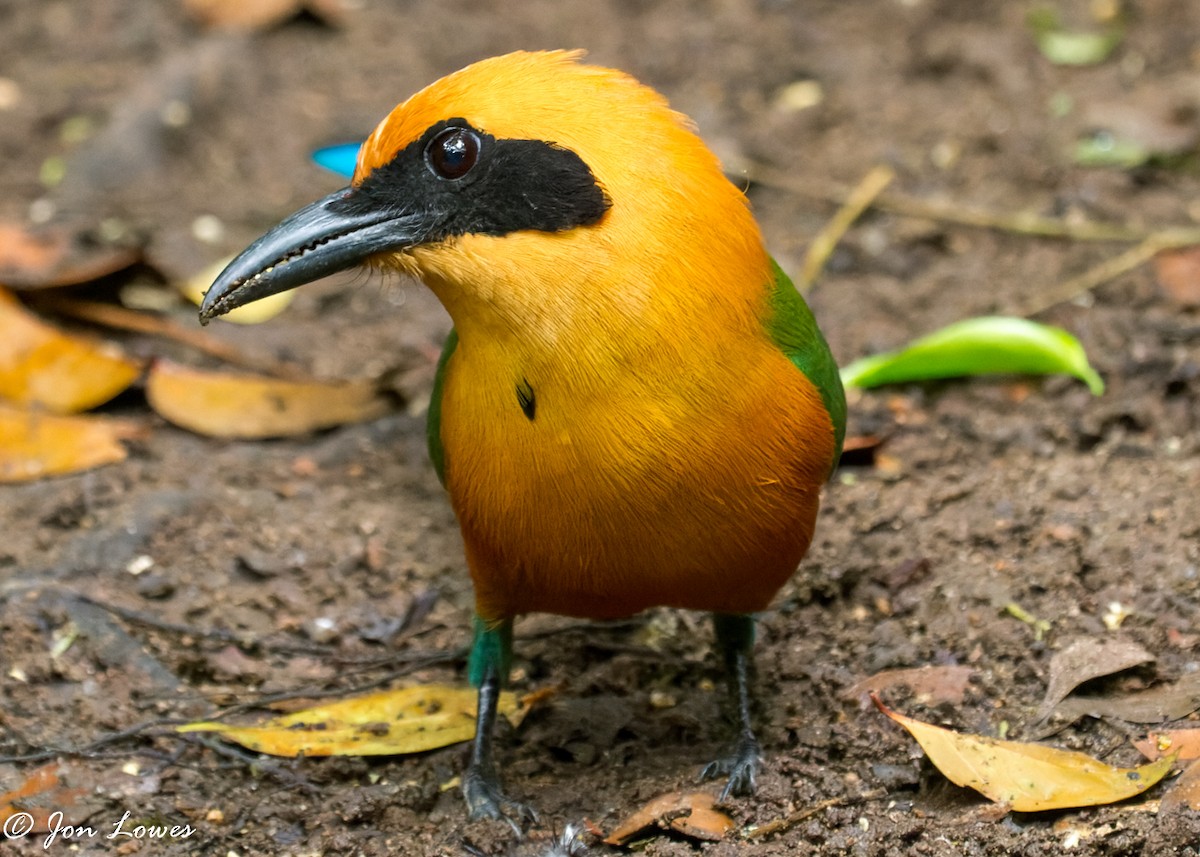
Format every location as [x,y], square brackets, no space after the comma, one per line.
[35,445]
[1027,777]
[254,313]
[390,722]
[221,404]
[42,366]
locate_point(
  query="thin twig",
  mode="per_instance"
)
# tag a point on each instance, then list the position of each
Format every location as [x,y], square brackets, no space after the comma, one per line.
[416,661]
[1148,242]
[254,760]
[857,201]
[90,749]
[244,640]
[951,212]
[1107,270]
[788,821]
[121,318]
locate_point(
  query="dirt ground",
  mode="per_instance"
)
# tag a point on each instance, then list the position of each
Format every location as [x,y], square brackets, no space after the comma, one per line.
[332,562]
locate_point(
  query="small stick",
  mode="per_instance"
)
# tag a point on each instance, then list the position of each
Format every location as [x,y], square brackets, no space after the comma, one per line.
[219,634]
[255,761]
[1107,270]
[781,824]
[121,318]
[949,212]
[857,201]
[1148,242]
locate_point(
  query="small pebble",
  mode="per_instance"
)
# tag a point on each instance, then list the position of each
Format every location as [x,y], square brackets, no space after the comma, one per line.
[323,629]
[661,699]
[140,564]
[208,229]
[10,93]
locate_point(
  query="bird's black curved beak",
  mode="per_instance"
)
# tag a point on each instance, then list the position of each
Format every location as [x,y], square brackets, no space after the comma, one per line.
[331,235]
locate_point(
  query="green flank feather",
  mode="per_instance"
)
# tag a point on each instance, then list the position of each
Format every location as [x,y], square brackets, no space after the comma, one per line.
[793,328]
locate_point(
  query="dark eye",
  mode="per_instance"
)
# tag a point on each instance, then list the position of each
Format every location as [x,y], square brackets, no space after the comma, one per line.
[453,152]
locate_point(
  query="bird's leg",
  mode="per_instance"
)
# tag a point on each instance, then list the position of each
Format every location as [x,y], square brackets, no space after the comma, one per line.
[491,654]
[735,639]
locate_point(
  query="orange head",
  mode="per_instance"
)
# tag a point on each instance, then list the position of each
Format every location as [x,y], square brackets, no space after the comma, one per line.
[533,193]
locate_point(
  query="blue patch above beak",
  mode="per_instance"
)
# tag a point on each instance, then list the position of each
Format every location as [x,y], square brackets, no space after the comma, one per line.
[340,159]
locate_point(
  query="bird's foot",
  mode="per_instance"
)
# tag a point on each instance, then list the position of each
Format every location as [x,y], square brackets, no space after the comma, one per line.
[486,799]
[740,766]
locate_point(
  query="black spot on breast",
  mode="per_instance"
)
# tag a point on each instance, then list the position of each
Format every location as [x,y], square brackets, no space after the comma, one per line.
[526,399]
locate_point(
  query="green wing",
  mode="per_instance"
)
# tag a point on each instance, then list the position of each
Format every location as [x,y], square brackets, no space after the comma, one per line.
[793,328]
[433,427]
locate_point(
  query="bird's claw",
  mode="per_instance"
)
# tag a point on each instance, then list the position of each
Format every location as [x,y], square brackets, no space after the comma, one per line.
[485,799]
[741,767]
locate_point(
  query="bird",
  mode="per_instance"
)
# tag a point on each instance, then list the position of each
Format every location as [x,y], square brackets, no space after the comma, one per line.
[635,407]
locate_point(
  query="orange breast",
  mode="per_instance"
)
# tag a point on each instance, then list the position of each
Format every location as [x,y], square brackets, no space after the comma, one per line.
[694,487]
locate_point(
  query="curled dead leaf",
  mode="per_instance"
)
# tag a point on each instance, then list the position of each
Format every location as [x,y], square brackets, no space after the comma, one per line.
[42,366]
[693,814]
[36,445]
[1086,659]
[56,257]
[261,14]
[39,781]
[860,450]
[1027,777]
[1160,704]
[931,685]
[221,404]
[37,799]
[1184,743]
[390,722]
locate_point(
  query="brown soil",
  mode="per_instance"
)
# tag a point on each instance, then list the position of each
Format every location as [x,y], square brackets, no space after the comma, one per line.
[288,566]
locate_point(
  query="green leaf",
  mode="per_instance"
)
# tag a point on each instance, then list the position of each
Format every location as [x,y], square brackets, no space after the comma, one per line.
[1069,47]
[1104,150]
[991,345]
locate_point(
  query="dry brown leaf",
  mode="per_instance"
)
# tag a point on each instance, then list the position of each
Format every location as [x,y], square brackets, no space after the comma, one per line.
[42,794]
[56,257]
[930,685]
[387,723]
[860,450]
[1084,660]
[1027,777]
[1158,705]
[35,445]
[1178,272]
[1185,791]
[1184,743]
[39,781]
[42,366]
[220,404]
[261,14]
[693,814]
